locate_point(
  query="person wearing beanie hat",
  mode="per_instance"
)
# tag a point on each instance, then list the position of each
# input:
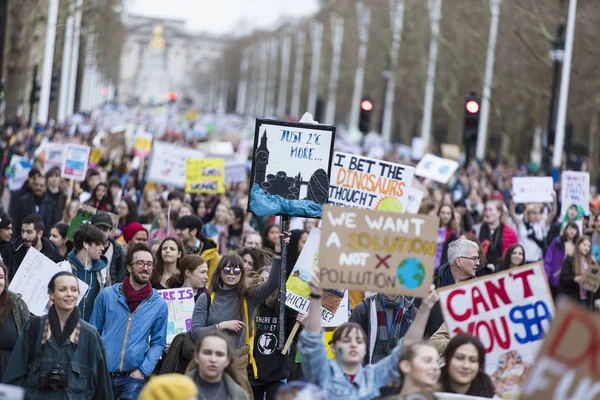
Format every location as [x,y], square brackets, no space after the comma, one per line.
[169,387]
[113,251]
[135,233]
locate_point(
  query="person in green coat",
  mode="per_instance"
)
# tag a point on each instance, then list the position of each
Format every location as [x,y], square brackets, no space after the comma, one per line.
[60,356]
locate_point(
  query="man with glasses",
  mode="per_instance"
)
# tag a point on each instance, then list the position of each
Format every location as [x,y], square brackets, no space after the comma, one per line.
[131,318]
[463,260]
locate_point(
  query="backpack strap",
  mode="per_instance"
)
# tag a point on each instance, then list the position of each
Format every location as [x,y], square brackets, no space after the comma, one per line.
[34,329]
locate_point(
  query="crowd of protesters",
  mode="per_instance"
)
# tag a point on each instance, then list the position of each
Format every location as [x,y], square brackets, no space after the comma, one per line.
[113,343]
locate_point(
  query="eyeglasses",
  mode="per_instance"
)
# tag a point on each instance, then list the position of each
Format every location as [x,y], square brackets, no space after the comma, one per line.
[475,259]
[142,263]
[234,270]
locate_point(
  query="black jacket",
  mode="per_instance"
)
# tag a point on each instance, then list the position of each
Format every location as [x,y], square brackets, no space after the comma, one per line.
[568,287]
[14,253]
[48,210]
[118,272]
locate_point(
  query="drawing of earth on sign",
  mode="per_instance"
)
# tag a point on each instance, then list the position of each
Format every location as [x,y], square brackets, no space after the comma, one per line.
[411,273]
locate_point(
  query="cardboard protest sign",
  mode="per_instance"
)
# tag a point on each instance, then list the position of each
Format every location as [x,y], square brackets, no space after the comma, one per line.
[167,163]
[114,140]
[334,309]
[32,278]
[143,145]
[363,182]
[533,189]
[290,168]
[205,176]
[75,162]
[575,190]
[567,367]
[436,168]
[450,151]
[510,312]
[377,251]
[591,278]
[18,172]
[181,307]
[415,198]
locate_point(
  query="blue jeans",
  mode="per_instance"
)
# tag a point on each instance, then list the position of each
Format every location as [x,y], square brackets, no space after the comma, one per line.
[126,387]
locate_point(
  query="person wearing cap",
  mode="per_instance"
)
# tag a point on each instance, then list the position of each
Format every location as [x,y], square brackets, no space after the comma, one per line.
[113,251]
[169,387]
[135,233]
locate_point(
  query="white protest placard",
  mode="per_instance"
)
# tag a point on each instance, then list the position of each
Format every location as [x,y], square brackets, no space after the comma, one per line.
[334,309]
[533,189]
[417,149]
[75,161]
[18,172]
[415,198]
[215,148]
[575,190]
[167,163]
[181,307]
[510,312]
[32,278]
[363,182]
[236,171]
[55,153]
[436,168]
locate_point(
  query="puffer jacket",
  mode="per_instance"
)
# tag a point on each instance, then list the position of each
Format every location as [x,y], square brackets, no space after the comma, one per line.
[133,340]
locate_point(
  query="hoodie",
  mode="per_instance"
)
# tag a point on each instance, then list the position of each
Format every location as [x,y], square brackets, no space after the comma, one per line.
[96,277]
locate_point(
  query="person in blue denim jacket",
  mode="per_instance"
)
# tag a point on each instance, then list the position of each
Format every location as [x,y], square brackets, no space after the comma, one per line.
[345,377]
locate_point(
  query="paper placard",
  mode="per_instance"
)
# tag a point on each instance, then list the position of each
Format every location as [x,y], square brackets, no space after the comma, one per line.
[143,144]
[75,162]
[236,171]
[364,182]
[18,172]
[575,189]
[509,312]
[533,189]
[436,168]
[181,307]
[334,309]
[54,156]
[567,366]
[32,278]
[205,176]
[377,251]
[167,163]
[415,198]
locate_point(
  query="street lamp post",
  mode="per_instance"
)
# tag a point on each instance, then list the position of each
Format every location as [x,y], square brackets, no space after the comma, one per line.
[556,55]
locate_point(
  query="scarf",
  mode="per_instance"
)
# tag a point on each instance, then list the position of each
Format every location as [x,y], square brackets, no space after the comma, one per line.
[70,324]
[384,344]
[134,297]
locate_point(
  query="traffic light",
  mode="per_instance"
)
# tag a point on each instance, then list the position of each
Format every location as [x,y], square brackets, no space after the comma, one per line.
[54,87]
[35,92]
[471,126]
[366,110]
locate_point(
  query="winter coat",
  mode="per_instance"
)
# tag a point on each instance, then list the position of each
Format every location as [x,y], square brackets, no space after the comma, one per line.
[14,253]
[20,312]
[568,287]
[48,210]
[555,255]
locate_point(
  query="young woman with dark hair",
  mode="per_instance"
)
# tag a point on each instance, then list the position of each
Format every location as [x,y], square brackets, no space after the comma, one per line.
[514,257]
[168,254]
[127,211]
[573,271]
[270,236]
[193,273]
[297,241]
[463,371]
[101,198]
[446,215]
[58,236]
[561,247]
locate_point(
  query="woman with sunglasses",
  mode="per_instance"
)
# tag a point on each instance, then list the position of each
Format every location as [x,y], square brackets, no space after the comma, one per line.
[231,306]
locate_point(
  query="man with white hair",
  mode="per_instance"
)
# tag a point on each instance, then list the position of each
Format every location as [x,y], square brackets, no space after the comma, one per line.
[463,260]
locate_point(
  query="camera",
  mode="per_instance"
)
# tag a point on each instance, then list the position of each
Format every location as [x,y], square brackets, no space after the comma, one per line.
[54,378]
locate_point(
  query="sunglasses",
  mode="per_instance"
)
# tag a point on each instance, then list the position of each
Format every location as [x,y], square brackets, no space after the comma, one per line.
[230,271]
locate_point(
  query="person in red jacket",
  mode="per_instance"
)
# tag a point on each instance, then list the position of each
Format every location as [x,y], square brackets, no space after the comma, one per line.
[495,236]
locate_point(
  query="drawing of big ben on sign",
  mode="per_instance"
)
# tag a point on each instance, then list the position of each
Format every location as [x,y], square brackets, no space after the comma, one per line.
[290,168]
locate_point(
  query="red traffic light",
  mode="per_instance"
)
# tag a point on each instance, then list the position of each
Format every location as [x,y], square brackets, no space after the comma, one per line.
[172,96]
[366,105]
[472,106]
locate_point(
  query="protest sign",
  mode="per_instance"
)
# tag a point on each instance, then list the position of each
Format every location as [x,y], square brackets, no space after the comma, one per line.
[32,278]
[450,151]
[591,278]
[363,182]
[54,156]
[236,171]
[95,157]
[334,308]
[215,148]
[290,168]
[509,312]
[567,366]
[18,172]
[167,163]
[417,148]
[181,307]
[143,145]
[377,251]
[533,189]
[575,190]
[205,176]
[436,168]
[75,162]
[415,198]
[114,140]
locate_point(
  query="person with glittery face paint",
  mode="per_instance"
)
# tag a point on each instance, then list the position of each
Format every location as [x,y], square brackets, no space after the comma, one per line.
[345,377]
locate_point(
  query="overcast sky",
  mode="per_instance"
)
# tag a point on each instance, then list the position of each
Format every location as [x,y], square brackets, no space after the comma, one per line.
[225,16]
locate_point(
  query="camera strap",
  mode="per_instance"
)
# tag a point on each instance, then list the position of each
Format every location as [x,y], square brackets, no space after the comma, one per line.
[33,334]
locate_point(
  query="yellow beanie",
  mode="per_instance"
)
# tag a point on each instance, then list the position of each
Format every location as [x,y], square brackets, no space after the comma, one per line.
[169,387]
